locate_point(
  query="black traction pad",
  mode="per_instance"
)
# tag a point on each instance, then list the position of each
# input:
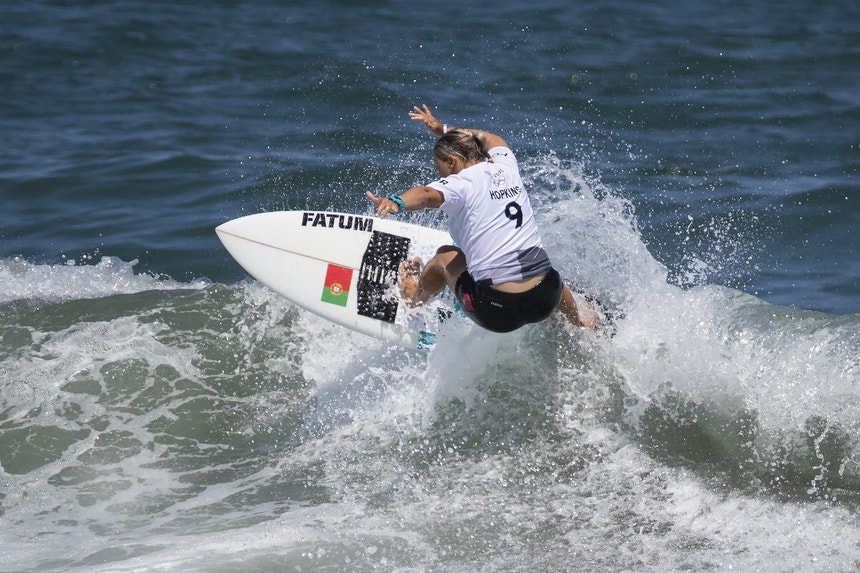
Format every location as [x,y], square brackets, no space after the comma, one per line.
[378,274]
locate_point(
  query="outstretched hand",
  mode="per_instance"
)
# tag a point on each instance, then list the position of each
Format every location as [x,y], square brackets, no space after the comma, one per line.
[424,115]
[384,205]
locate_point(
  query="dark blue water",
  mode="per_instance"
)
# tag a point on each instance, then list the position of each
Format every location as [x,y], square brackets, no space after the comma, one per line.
[695,165]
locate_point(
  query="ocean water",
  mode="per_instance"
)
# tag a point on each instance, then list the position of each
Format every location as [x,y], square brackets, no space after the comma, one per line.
[694,165]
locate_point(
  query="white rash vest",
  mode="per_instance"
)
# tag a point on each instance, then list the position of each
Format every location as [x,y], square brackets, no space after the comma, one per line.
[491,220]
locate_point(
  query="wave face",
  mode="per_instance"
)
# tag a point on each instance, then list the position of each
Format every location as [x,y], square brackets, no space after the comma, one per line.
[148,422]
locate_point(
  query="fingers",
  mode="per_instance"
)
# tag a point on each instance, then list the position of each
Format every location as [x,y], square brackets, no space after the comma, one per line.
[380,211]
[383,206]
[376,200]
[424,115]
[421,113]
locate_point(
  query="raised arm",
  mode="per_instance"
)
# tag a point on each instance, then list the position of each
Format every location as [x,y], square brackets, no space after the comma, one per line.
[436,127]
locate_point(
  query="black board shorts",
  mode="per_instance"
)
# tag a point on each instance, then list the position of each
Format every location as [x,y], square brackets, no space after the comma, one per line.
[503,311]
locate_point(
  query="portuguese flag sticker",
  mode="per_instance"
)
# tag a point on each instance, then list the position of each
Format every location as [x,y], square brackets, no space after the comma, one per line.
[336,288]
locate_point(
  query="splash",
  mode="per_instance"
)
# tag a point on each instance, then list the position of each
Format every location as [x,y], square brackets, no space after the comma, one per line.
[21,280]
[766,394]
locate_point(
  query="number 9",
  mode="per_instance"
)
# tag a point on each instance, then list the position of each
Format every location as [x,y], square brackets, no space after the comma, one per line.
[514,212]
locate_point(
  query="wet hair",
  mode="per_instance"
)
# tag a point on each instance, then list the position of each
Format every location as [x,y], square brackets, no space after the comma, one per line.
[469,145]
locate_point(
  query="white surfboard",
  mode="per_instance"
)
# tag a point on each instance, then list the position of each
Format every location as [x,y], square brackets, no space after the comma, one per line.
[340,266]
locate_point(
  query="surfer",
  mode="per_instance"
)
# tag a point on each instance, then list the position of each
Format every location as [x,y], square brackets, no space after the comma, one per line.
[499,271]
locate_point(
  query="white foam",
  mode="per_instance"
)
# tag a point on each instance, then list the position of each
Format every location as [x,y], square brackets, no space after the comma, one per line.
[20,279]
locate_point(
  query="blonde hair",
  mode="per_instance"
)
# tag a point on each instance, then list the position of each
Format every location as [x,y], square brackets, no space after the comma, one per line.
[468,144]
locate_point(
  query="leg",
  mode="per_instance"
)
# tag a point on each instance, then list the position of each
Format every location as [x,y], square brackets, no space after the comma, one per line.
[580,315]
[418,286]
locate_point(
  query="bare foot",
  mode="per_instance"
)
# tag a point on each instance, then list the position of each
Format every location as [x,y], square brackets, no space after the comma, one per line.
[408,274]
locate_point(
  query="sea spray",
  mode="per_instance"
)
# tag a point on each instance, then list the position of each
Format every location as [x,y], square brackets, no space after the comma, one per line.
[763,393]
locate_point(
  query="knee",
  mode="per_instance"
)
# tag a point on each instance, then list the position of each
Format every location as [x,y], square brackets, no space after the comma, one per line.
[448,257]
[448,251]
[449,261]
